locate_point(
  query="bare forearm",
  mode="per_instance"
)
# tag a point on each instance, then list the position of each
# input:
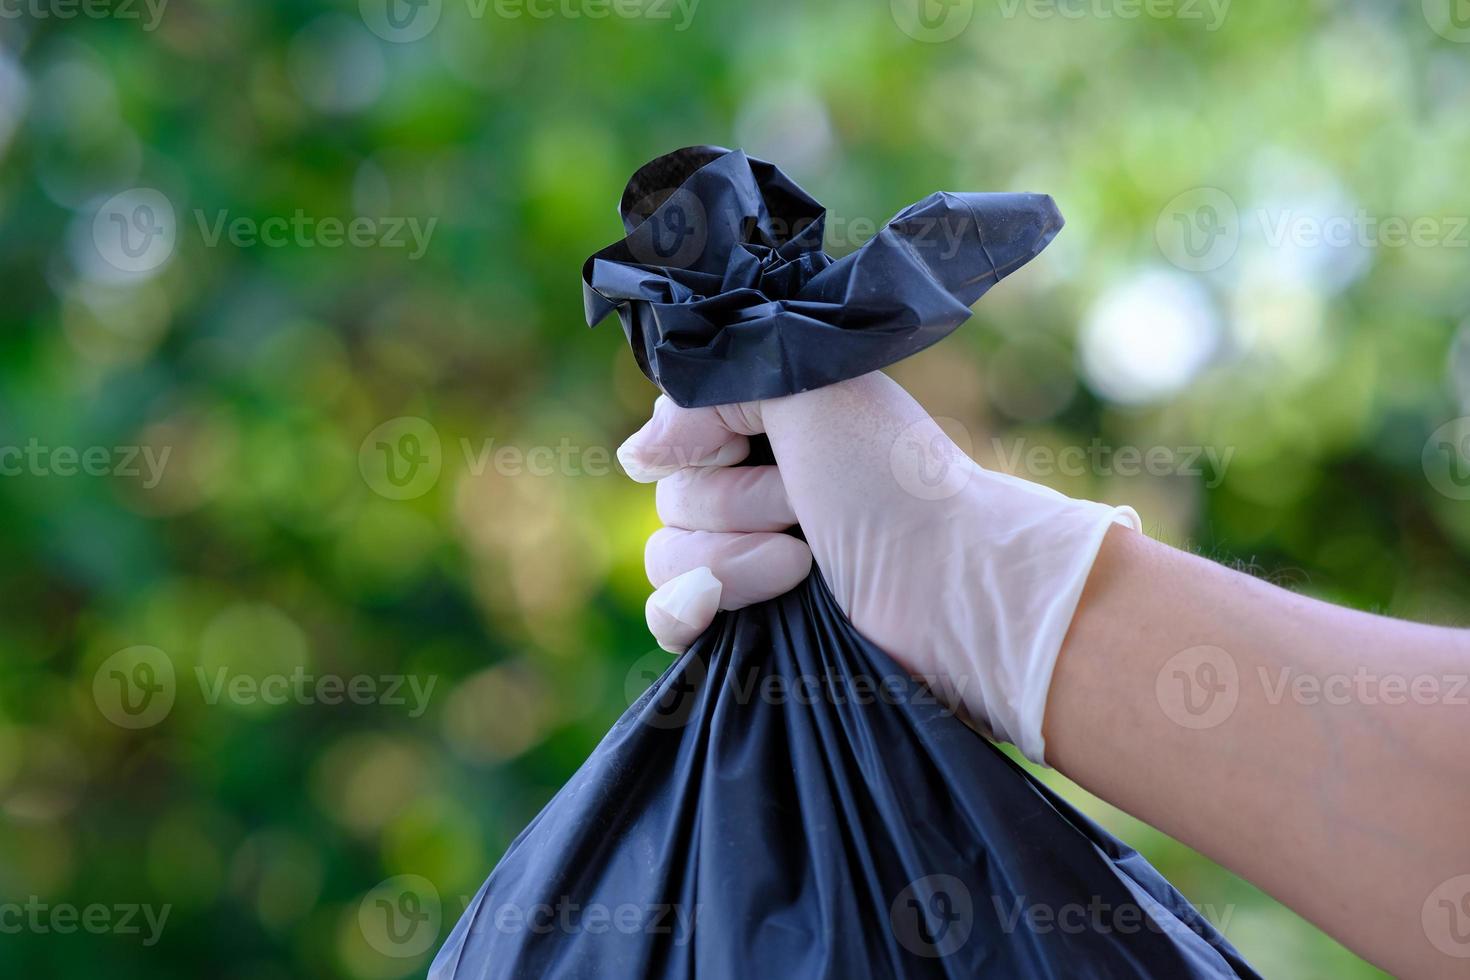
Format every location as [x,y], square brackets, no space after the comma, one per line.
[1322,753]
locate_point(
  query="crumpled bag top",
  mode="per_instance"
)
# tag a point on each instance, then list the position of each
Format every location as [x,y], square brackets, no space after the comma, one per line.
[726,295]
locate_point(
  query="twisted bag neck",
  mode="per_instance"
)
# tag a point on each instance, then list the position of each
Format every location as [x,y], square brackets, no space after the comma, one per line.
[726,295]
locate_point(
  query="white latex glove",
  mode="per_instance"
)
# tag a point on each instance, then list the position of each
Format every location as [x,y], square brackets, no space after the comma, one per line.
[963,576]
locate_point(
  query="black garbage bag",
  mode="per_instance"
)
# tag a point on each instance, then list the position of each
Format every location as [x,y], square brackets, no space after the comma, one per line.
[726,295]
[785,801]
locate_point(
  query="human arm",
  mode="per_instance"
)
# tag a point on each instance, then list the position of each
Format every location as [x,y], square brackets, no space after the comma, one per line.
[1319,752]
[1352,812]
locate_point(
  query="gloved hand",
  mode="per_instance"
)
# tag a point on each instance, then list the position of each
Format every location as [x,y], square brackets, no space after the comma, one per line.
[965,577]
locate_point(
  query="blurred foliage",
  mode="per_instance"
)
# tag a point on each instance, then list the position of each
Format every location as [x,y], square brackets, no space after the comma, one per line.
[268,543]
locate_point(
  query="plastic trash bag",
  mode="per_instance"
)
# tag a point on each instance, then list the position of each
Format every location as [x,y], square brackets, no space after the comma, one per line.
[726,295]
[785,801]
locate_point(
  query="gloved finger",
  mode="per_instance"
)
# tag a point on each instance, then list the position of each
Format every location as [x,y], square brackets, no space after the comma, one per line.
[879,452]
[750,567]
[676,437]
[682,608]
[740,498]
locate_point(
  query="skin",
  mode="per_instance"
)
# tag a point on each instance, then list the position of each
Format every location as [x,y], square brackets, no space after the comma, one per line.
[1316,751]
[1349,810]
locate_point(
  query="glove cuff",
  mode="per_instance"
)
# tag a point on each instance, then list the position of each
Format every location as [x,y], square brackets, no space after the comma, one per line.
[1032,617]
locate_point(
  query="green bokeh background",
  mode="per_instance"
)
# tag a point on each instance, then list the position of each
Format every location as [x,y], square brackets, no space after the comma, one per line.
[266,546]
